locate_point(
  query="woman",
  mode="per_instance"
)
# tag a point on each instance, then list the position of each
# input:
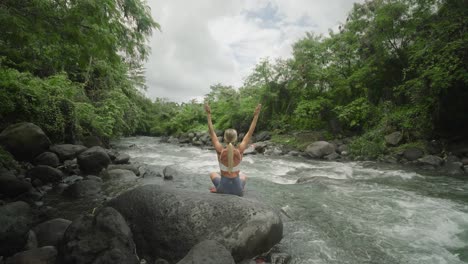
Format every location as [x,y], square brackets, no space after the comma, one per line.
[230,180]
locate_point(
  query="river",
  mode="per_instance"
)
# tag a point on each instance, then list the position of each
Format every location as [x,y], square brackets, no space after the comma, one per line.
[348,212]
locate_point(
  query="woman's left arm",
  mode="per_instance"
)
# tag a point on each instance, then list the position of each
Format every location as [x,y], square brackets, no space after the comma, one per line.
[214,138]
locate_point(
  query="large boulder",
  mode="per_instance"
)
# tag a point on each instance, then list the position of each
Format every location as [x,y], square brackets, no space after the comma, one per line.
[43,255]
[105,238]
[121,175]
[67,151]
[413,153]
[129,167]
[431,160]
[10,186]
[122,158]
[394,138]
[208,252]
[15,220]
[45,174]
[47,158]
[168,222]
[50,233]
[24,140]
[262,136]
[93,160]
[319,149]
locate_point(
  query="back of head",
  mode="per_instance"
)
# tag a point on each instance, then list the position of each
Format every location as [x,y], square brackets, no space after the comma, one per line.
[230,137]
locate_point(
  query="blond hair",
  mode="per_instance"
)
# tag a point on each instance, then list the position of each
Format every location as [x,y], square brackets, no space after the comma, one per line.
[230,136]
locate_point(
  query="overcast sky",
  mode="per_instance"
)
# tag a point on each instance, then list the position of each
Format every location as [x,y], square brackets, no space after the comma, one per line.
[205,42]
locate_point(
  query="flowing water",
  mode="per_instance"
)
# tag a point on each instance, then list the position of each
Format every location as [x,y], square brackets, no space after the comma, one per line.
[346,212]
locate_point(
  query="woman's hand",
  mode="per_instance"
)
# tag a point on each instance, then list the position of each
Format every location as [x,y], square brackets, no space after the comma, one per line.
[257,110]
[207,108]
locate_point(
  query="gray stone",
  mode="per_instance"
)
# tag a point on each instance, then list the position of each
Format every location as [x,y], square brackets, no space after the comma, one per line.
[43,255]
[431,160]
[452,158]
[50,233]
[208,252]
[394,138]
[453,168]
[168,222]
[105,238]
[129,167]
[342,148]
[24,140]
[464,161]
[67,151]
[122,158]
[333,156]
[31,242]
[319,149]
[15,220]
[45,173]
[412,154]
[173,140]
[11,187]
[121,175]
[92,141]
[260,147]
[47,158]
[72,179]
[93,178]
[262,136]
[93,160]
[83,188]
[205,138]
[465,168]
[250,150]
[280,258]
[170,172]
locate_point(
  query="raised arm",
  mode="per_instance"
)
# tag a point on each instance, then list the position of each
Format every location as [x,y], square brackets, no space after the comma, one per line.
[214,138]
[245,141]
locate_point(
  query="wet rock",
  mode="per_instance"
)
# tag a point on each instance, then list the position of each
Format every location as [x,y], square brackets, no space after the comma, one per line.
[294,153]
[45,173]
[93,160]
[164,139]
[83,188]
[31,242]
[197,143]
[70,167]
[394,138]
[260,147]
[464,161]
[112,154]
[250,150]
[431,160]
[67,151]
[161,261]
[129,167]
[49,233]
[43,255]
[453,168]
[465,168]
[122,175]
[11,187]
[170,172]
[72,179]
[435,147]
[208,252]
[184,139]
[173,140]
[342,148]
[24,140]
[262,136]
[280,258]
[105,238]
[452,158]
[412,154]
[122,158]
[15,220]
[333,156]
[168,222]
[319,149]
[93,178]
[47,158]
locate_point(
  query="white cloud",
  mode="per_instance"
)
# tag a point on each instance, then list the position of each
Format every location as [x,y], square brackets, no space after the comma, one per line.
[210,41]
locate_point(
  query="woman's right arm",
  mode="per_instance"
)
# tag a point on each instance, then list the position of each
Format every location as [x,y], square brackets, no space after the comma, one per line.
[214,138]
[245,141]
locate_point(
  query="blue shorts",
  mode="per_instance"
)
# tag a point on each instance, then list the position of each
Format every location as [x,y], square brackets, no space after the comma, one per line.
[229,185]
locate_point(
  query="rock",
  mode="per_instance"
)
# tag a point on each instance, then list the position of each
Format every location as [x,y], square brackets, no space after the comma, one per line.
[113,153]
[273,151]
[129,167]
[394,138]
[240,137]
[121,175]
[122,158]
[24,140]
[208,252]
[168,222]
[412,154]
[219,133]
[83,188]
[319,149]
[294,153]
[15,219]
[93,178]
[431,160]
[67,151]
[220,139]
[72,179]
[250,150]
[45,173]
[43,255]
[260,147]
[459,148]
[435,147]
[197,143]
[191,135]
[50,233]
[170,172]
[452,158]
[332,156]
[70,167]
[205,138]
[173,140]
[31,242]
[164,139]
[453,168]
[47,158]
[464,161]
[92,141]
[161,261]
[105,238]
[262,136]
[93,160]
[342,148]
[11,187]
[465,168]
[184,139]
[280,258]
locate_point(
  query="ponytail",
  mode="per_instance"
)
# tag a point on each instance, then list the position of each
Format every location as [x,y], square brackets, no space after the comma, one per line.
[230,148]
